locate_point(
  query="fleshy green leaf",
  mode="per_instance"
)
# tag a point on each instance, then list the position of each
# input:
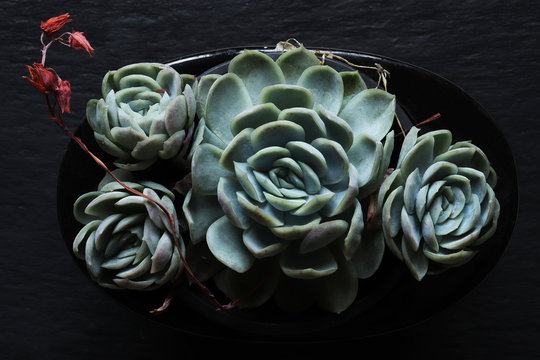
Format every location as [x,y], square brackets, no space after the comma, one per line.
[365,154]
[238,150]
[323,234]
[294,62]
[369,254]
[257,71]
[311,265]
[287,96]
[276,133]
[254,117]
[352,85]
[205,169]
[200,211]
[226,244]
[326,86]
[371,113]
[262,243]
[308,119]
[227,98]
[337,129]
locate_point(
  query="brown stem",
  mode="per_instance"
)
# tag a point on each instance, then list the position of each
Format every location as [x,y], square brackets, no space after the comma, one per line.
[58,120]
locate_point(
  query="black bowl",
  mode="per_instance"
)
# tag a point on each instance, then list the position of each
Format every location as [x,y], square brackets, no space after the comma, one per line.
[390,300]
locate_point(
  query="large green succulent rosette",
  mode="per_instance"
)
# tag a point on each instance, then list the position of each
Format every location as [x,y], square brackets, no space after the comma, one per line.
[127,241]
[284,153]
[145,114]
[438,206]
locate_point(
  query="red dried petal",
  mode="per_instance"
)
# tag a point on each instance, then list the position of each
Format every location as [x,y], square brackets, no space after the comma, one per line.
[78,41]
[63,95]
[54,24]
[44,80]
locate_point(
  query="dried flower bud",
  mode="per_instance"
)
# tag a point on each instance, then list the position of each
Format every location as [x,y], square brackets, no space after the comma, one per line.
[63,95]
[44,80]
[54,24]
[78,41]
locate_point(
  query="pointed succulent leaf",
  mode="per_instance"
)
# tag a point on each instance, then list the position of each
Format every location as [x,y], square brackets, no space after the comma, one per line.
[205,171]
[201,93]
[294,62]
[227,98]
[200,212]
[326,86]
[408,143]
[265,215]
[126,136]
[354,235]
[264,159]
[337,129]
[336,292]
[283,204]
[452,258]
[371,112]
[173,145]
[343,198]
[277,133]
[308,154]
[415,260]
[336,159]
[295,227]
[287,96]
[308,119]
[392,213]
[225,242]
[80,205]
[365,154]
[323,234]
[246,178]
[352,85]
[257,71]
[254,117]
[410,191]
[228,187]
[311,265]
[149,148]
[419,157]
[261,242]
[368,257]
[238,150]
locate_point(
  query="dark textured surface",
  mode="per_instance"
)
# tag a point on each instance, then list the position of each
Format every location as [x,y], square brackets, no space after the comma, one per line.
[48,307]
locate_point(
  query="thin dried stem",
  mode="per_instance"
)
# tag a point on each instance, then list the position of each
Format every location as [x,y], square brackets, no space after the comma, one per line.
[399,124]
[58,120]
[428,120]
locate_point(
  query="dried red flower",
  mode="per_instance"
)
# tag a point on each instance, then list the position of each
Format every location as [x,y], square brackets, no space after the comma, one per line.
[78,41]
[63,95]
[44,80]
[54,24]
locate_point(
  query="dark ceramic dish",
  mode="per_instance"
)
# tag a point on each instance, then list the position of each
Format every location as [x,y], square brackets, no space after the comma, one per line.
[390,300]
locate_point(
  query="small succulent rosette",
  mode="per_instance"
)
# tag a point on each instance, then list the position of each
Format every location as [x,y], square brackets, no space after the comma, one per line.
[146,113]
[438,206]
[127,241]
[285,150]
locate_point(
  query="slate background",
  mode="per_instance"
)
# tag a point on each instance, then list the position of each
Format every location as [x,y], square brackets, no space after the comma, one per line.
[49,309]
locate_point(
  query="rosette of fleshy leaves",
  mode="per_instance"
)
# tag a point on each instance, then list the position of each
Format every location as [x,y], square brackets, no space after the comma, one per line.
[127,241]
[146,113]
[284,152]
[438,206]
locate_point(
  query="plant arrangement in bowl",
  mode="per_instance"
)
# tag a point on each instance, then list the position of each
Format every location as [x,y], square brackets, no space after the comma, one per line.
[292,179]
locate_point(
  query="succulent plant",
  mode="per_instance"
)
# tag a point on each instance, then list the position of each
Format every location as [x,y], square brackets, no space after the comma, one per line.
[283,153]
[127,241]
[145,113]
[438,205]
